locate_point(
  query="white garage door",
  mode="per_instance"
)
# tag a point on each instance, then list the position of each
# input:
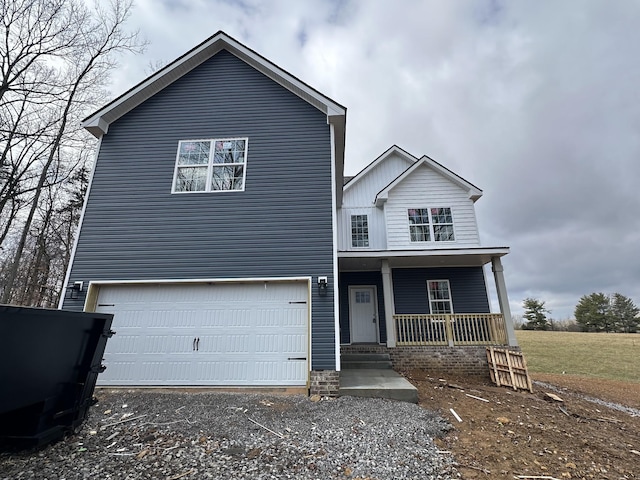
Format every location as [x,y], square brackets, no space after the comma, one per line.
[244,334]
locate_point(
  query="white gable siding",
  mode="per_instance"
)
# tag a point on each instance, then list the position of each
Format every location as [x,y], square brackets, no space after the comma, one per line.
[377,228]
[426,188]
[359,200]
[364,191]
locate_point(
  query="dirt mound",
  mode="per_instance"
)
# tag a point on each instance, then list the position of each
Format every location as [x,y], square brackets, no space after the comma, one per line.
[505,434]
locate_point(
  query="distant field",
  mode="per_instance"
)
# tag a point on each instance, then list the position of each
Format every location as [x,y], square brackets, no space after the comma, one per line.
[605,355]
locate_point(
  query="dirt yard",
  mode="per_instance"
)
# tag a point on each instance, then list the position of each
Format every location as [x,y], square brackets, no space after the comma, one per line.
[524,435]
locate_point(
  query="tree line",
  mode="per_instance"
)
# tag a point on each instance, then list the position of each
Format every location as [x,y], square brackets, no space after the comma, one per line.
[56,57]
[596,312]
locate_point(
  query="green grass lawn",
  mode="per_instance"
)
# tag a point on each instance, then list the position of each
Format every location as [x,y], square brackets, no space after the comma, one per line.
[606,355]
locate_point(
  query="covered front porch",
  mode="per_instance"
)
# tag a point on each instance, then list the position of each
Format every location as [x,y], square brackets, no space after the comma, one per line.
[425,298]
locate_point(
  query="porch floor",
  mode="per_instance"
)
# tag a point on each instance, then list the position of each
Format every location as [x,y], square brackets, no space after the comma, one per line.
[377,383]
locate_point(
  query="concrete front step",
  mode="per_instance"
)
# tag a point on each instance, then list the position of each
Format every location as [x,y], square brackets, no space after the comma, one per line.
[366,365]
[376,361]
[377,383]
[365,357]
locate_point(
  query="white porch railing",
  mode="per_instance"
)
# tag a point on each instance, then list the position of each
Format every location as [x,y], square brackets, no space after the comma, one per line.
[451,329]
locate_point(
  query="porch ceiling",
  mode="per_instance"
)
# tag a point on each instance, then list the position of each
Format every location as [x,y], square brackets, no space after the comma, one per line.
[372,260]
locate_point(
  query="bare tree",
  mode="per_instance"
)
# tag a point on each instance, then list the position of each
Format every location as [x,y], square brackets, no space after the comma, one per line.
[55,61]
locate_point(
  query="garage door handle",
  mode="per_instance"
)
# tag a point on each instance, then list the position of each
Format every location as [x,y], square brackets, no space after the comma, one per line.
[297,358]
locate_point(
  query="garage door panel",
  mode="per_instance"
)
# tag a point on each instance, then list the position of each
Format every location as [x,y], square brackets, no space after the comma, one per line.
[227,372]
[246,334]
[160,372]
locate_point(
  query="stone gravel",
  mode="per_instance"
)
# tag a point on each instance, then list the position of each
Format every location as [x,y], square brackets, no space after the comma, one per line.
[141,434]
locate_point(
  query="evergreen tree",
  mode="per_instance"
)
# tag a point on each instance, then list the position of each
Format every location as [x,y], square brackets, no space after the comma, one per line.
[624,314]
[535,314]
[593,313]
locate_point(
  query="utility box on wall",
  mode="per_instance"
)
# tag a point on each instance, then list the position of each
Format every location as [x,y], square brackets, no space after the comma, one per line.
[49,363]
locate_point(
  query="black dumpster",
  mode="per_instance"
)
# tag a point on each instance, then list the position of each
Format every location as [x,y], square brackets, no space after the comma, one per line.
[49,363]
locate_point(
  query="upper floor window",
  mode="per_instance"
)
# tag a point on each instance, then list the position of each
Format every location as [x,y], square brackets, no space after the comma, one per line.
[426,224]
[359,231]
[216,165]
[442,224]
[419,224]
[439,297]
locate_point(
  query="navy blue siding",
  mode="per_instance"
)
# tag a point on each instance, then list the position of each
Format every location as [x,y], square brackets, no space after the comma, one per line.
[134,228]
[468,289]
[360,278]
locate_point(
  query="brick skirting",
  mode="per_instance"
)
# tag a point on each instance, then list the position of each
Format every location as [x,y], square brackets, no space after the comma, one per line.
[467,361]
[325,383]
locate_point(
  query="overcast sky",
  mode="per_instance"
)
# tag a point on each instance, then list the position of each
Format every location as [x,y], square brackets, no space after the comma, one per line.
[536,102]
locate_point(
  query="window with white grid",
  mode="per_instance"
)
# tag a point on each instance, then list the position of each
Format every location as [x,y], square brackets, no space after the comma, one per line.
[431,224]
[439,297]
[212,165]
[359,231]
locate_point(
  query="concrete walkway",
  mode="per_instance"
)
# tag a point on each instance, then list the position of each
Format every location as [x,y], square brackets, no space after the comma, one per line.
[377,383]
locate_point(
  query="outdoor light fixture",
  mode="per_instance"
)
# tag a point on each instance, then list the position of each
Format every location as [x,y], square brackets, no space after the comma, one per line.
[322,286]
[75,289]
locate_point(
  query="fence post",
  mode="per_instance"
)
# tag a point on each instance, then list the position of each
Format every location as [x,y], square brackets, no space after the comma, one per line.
[449,329]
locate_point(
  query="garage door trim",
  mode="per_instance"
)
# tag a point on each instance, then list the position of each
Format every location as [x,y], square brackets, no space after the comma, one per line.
[94,286]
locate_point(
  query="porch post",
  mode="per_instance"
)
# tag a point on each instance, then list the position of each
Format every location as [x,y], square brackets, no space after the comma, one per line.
[503,300]
[389,307]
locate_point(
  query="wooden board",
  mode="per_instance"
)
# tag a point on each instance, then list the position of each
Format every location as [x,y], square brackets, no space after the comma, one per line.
[508,368]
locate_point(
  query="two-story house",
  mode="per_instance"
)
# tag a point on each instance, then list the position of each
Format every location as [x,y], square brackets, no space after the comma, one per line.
[218,232]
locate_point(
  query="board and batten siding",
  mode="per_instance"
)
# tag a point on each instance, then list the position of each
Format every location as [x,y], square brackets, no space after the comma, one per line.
[280,226]
[376,224]
[359,199]
[468,289]
[363,192]
[425,188]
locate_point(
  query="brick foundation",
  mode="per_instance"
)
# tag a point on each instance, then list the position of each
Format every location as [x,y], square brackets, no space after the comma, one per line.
[464,361]
[325,383]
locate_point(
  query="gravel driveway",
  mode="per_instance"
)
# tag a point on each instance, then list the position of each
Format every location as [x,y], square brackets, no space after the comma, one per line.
[137,434]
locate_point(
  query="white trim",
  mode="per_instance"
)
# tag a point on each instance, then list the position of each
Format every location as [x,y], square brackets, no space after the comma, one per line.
[210,165]
[389,302]
[98,122]
[351,231]
[94,288]
[93,291]
[376,312]
[503,299]
[495,251]
[309,329]
[486,287]
[394,149]
[334,228]
[432,233]
[438,300]
[474,192]
[162,281]
[80,222]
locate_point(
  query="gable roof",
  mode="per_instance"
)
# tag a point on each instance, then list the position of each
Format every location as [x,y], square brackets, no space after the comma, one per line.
[394,149]
[474,192]
[98,122]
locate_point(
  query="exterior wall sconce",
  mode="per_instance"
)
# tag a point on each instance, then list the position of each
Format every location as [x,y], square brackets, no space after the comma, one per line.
[74,289]
[322,286]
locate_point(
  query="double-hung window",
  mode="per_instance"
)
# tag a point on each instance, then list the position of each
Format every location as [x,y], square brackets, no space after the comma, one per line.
[419,225]
[359,231]
[439,297]
[214,165]
[442,222]
[431,224]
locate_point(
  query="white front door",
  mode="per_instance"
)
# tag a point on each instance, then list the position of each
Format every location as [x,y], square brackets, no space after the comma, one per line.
[363,314]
